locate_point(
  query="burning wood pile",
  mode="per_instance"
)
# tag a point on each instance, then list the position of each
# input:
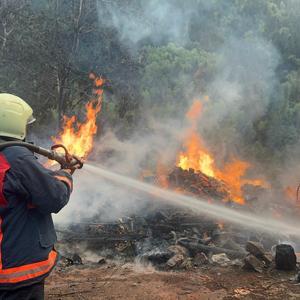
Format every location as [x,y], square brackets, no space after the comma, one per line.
[198,184]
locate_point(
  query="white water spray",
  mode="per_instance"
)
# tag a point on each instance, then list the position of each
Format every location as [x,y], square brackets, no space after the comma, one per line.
[200,205]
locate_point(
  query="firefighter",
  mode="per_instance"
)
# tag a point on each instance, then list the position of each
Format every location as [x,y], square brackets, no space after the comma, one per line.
[29,194]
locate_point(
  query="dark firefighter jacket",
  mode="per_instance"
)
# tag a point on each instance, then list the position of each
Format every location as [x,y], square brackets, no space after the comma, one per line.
[29,193]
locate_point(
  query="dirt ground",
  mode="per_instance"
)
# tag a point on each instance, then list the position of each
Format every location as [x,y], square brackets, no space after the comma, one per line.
[131,281]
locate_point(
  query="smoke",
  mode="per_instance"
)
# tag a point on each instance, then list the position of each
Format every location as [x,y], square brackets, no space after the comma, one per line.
[240,92]
[241,88]
[245,78]
[148,21]
[95,197]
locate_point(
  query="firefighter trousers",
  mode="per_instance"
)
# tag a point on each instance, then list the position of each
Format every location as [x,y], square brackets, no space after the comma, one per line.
[32,292]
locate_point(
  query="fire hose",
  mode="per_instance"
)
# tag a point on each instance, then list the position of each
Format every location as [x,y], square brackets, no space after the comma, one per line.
[64,158]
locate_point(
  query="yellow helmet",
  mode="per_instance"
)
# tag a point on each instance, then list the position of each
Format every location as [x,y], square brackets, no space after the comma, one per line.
[15,115]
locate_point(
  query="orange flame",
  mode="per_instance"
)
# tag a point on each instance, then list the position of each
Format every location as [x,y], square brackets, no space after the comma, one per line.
[196,156]
[78,137]
[233,175]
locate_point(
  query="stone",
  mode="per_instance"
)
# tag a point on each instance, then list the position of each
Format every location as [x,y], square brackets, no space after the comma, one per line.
[178,249]
[102,261]
[285,257]
[187,264]
[180,254]
[236,263]
[175,261]
[220,259]
[200,259]
[65,262]
[267,258]
[296,278]
[157,256]
[76,259]
[231,245]
[253,263]
[256,249]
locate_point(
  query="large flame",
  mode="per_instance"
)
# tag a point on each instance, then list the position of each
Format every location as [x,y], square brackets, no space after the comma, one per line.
[233,174]
[196,156]
[78,137]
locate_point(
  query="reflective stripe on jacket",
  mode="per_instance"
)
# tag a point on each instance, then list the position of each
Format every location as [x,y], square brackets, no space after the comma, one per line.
[29,193]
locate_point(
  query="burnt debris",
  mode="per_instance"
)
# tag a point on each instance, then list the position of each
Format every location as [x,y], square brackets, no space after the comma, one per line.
[173,238]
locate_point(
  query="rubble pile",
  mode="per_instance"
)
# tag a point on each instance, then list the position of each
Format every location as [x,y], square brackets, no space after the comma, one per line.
[172,238]
[147,237]
[177,240]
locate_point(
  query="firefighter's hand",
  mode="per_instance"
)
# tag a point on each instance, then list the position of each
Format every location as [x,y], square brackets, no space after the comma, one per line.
[76,164]
[69,171]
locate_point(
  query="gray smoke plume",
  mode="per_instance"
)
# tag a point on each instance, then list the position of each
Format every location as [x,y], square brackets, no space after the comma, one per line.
[239,94]
[144,20]
[94,196]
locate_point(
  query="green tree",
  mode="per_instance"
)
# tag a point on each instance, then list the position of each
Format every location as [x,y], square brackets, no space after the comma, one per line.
[169,72]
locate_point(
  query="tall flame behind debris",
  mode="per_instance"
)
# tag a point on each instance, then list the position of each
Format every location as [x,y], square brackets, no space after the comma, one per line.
[197,157]
[78,137]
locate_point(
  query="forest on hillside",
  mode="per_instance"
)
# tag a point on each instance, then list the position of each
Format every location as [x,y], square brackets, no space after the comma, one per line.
[156,57]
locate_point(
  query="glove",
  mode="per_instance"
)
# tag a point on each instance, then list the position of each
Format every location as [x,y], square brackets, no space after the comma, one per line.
[75,164]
